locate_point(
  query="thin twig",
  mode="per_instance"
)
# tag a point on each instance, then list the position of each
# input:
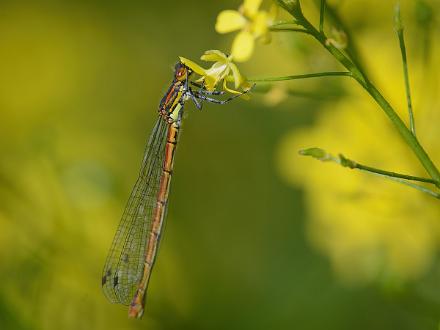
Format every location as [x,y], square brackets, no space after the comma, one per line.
[399,30]
[281,23]
[282,28]
[321,16]
[331,14]
[413,185]
[354,165]
[303,76]
[405,179]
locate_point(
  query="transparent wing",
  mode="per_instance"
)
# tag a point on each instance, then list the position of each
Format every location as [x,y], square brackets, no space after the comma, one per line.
[125,261]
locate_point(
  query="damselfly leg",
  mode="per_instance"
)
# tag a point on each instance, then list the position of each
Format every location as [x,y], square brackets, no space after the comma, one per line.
[205,91]
[202,94]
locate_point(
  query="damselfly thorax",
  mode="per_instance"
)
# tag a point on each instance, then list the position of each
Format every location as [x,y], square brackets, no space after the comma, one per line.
[171,105]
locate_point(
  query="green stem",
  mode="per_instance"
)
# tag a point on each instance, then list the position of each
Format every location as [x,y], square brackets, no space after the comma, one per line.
[281,28]
[399,30]
[413,185]
[324,156]
[321,16]
[303,76]
[263,88]
[351,49]
[407,135]
[354,165]
[281,23]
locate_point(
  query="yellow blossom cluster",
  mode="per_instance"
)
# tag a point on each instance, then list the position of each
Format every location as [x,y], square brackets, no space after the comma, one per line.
[252,24]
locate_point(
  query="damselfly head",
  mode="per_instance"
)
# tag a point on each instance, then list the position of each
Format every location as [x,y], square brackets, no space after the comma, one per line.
[181,71]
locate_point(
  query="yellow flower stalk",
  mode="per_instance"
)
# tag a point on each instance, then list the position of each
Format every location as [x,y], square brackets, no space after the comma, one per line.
[253,24]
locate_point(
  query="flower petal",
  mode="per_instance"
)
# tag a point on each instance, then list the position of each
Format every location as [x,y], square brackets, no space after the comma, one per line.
[214,56]
[260,24]
[218,70]
[238,78]
[250,7]
[226,88]
[229,20]
[210,83]
[246,87]
[243,46]
[192,65]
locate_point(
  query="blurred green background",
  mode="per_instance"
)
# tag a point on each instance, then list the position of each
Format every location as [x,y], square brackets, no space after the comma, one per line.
[79,86]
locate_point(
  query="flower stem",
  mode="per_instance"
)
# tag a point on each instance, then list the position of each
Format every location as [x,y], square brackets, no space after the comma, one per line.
[303,76]
[324,156]
[282,23]
[413,185]
[351,49]
[407,135]
[283,28]
[399,30]
[354,165]
[321,16]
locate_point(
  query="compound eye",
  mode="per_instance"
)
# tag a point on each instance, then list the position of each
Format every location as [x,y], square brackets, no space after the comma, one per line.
[181,73]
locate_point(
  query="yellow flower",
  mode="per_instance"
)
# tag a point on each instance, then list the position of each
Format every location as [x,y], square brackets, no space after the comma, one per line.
[253,23]
[223,69]
[370,228]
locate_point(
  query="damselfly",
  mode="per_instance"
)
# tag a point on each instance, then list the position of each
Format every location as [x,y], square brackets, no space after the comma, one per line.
[133,252]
